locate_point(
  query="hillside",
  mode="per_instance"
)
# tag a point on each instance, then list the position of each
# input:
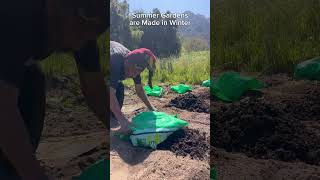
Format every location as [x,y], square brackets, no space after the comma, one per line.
[200,27]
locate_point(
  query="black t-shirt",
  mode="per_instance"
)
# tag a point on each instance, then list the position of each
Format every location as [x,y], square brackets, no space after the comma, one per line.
[117,57]
[24,36]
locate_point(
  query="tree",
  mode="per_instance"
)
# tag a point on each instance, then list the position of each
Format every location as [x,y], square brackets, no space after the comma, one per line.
[163,39]
[171,40]
[119,19]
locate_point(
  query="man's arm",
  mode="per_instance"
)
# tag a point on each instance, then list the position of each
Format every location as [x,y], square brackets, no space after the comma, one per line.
[115,108]
[92,80]
[142,95]
[15,141]
[95,92]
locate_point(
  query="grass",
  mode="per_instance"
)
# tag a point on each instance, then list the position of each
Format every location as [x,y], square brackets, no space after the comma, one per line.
[64,63]
[59,64]
[189,68]
[265,36]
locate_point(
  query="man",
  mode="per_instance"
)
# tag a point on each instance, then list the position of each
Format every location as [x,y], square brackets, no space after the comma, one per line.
[128,64]
[30,31]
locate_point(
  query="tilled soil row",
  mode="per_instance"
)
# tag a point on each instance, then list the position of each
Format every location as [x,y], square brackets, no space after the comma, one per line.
[266,130]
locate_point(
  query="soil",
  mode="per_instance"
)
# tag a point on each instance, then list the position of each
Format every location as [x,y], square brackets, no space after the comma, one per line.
[187,142]
[271,134]
[190,102]
[237,166]
[178,158]
[281,142]
[263,130]
[73,138]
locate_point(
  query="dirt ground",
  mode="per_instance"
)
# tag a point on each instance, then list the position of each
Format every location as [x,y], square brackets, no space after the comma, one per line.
[271,134]
[73,138]
[184,156]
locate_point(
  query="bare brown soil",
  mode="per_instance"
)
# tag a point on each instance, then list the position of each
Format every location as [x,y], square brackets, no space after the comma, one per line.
[73,138]
[272,134]
[185,154]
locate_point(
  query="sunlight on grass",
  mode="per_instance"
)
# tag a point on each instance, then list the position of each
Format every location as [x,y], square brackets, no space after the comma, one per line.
[190,68]
[263,35]
[64,63]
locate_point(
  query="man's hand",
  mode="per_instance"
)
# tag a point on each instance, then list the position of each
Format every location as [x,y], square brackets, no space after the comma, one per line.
[115,109]
[124,129]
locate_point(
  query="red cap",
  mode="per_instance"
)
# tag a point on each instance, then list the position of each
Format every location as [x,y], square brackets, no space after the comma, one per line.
[143,50]
[150,64]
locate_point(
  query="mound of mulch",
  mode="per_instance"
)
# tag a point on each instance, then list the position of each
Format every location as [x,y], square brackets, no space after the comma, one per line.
[186,142]
[190,102]
[262,129]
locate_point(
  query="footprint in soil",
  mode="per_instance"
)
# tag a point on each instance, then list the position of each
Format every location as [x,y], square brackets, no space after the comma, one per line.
[190,102]
[186,142]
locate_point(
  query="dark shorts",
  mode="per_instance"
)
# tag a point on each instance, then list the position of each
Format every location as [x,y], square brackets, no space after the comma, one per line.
[119,95]
[31,103]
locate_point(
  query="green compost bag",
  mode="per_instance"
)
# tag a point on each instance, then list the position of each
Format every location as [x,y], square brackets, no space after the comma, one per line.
[151,128]
[213,174]
[155,91]
[309,69]
[206,83]
[98,171]
[230,86]
[181,88]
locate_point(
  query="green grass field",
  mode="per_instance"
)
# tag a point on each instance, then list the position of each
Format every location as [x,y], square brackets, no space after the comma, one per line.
[265,36]
[189,68]
[64,63]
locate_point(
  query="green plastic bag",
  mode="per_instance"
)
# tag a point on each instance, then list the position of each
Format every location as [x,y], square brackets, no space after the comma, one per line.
[213,174]
[181,88]
[155,91]
[309,69]
[230,86]
[98,171]
[151,128]
[206,83]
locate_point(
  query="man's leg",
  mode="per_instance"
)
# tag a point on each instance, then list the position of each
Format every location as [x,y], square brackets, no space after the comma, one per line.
[120,98]
[120,94]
